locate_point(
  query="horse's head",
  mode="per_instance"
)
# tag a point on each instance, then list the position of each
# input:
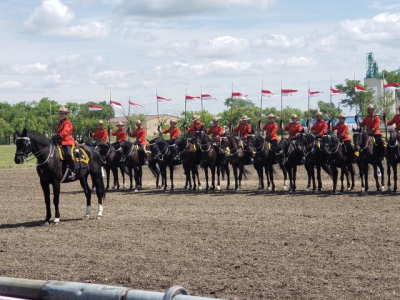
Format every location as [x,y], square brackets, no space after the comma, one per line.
[255,141]
[24,147]
[102,147]
[201,135]
[326,143]
[357,139]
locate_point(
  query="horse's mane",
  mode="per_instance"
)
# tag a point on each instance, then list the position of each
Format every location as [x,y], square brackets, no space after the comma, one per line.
[41,139]
[126,144]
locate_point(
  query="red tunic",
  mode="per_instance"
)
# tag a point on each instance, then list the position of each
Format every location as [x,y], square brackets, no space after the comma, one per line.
[271,129]
[216,131]
[140,135]
[173,132]
[120,135]
[244,130]
[396,119]
[372,123]
[194,128]
[293,128]
[342,130]
[100,134]
[64,129]
[320,127]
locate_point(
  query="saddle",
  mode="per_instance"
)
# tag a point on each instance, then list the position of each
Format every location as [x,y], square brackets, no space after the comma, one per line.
[78,154]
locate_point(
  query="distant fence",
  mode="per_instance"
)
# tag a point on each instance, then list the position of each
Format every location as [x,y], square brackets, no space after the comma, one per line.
[27,289]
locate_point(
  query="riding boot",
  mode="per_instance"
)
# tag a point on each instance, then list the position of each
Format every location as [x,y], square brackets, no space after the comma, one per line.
[144,156]
[71,175]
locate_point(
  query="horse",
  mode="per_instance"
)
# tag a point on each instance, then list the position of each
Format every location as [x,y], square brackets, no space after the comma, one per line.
[186,153]
[161,152]
[264,159]
[314,158]
[130,158]
[369,153]
[111,162]
[338,158]
[211,159]
[393,157]
[289,158]
[50,170]
[236,156]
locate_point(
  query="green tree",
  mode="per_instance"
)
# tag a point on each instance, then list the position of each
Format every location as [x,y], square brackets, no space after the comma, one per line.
[330,111]
[360,100]
[239,108]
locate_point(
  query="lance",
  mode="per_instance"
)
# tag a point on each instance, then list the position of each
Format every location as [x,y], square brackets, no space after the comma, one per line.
[384,103]
[281,109]
[109,126]
[261,107]
[309,101]
[201,101]
[231,125]
[184,127]
[129,114]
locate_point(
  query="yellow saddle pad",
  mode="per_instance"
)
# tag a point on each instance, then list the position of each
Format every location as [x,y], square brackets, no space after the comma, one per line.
[194,147]
[82,156]
[228,150]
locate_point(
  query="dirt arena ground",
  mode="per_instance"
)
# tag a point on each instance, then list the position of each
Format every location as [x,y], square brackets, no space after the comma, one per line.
[221,245]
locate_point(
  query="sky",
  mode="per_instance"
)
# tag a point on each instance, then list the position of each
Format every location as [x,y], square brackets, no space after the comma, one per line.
[83,50]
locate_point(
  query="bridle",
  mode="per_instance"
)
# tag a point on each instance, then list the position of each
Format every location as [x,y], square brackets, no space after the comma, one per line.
[161,153]
[29,149]
[104,157]
[224,148]
[332,150]
[257,149]
[208,144]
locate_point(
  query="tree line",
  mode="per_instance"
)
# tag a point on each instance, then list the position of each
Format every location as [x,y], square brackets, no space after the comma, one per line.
[36,117]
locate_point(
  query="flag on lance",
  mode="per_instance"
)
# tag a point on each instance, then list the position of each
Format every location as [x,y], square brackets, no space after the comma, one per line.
[288,92]
[162,99]
[266,93]
[358,88]
[315,93]
[135,104]
[115,104]
[94,107]
[391,87]
[336,92]
[239,96]
[191,98]
[208,97]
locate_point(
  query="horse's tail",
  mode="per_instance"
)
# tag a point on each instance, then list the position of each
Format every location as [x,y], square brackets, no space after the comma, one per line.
[223,171]
[102,189]
[327,170]
[245,172]
[154,170]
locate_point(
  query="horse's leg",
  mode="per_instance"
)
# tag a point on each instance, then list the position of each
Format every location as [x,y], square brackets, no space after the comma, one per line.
[171,176]
[187,176]
[351,169]
[241,166]
[198,177]
[56,199]
[46,191]
[260,173]
[342,173]
[334,178]
[235,173]
[123,177]
[378,186]
[271,176]
[206,175]
[290,172]
[163,170]
[365,173]
[389,183]
[100,192]
[88,194]
[130,177]
[306,166]
[394,177]
[380,166]
[212,176]
[319,178]
[218,177]
[108,177]
[285,175]
[294,177]
[228,176]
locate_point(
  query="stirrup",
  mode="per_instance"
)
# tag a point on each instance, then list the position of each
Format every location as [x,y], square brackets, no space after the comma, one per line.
[71,176]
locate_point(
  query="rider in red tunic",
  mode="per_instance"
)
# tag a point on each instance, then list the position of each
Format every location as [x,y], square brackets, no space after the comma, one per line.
[196,125]
[100,134]
[140,135]
[64,130]
[244,128]
[372,122]
[271,129]
[342,133]
[395,120]
[294,127]
[320,126]
[216,130]
[173,131]
[120,134]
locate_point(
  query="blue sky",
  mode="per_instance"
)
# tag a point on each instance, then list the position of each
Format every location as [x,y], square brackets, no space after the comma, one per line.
[72,50]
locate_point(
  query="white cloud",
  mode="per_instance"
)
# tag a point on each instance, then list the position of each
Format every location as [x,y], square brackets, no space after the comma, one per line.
[53,17]
[280,41]
[10,85]
[384,27]
[386,6]
[29,69]
[99,59]
[141,36]
[67,58]
[170,8]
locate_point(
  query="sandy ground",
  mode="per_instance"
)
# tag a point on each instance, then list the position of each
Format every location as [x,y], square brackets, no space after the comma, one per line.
[224,245]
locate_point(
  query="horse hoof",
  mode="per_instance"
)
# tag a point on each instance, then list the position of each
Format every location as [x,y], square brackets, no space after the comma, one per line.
[86,217]
[218,188]
[269,188]
[382,188]
[200,187]
[56,221]
[46,223]
[349,189]
[238,190]
[99,217]
[285,188]
[136,190]
[113,187]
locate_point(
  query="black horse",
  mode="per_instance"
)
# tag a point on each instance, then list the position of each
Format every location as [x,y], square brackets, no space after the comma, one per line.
[338,158]
[186,152]
[393,157]
[166,158]
[289,157]
[212,159]
[111,162]
[264,159]
[232,147]
[369,153]
[50,170]
[132,160]
[315,158]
